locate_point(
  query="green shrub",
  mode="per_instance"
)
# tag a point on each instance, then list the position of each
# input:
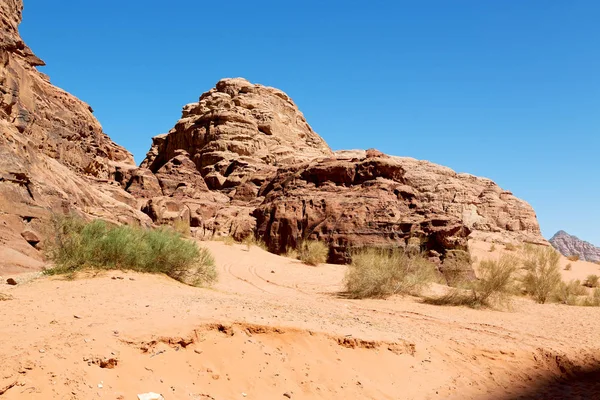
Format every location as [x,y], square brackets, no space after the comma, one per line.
[97,245]
[591,281]
[542,274]
[313,252]
[380,273]
[497,279]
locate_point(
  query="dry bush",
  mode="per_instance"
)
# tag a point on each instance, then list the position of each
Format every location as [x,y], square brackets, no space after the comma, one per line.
[96,245]
[493,247]
[542,274]
[591,301]
[313,252]
[510,247]
[591,281]
[457,267]
[573,258]
[568,267]
[497,280]
[569,293]
[380,273]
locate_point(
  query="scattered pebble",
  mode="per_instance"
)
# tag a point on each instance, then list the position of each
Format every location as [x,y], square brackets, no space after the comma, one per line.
[150,396]
[11,282]
[100,386]
[288,395]
[76,317]
[42,351]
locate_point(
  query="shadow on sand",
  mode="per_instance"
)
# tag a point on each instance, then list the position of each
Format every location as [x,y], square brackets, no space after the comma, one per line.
[584,384]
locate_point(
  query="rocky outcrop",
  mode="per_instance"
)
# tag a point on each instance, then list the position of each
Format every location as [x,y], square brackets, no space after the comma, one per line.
[569,245]
[243,160]
[54,156]
[367,198]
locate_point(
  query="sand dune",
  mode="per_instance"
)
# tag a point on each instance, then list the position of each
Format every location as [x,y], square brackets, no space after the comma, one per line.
[273,328]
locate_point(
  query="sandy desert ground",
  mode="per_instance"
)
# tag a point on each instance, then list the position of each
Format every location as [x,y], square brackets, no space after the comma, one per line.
[272,328]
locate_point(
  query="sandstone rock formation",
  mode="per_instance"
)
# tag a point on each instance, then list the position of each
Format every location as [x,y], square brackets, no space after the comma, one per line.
[569,245]
[54,156]
[243,161]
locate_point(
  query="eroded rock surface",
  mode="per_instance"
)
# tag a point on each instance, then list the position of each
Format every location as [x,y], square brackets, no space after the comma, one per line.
[54,156]
[260,169]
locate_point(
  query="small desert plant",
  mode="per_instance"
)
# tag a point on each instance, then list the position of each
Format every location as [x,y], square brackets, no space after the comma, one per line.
[227,240]
[568,267]
[510,247]
[591,281]
[496,281]
[569,293]
[291,253]
[591,301]
[98,245]
[542,274]
[380,273]
[182,227]
[493,248]
[313,252]
[251,241]
[573,258]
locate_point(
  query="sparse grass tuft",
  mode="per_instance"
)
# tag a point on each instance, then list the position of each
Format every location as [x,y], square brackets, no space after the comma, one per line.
[313,252]
[182,227]
[573,258]
[291,253]
[510,247]
[493,248]
[542,274]
[226,240]
[591,281]
[568,267]
[96,245]
[251,241]
[380,273]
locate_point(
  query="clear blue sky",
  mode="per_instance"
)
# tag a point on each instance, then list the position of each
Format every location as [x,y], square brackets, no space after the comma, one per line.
[506,89]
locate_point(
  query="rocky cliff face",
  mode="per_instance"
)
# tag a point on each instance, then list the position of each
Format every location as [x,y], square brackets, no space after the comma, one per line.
[54,156]
[243,161]
[569,245]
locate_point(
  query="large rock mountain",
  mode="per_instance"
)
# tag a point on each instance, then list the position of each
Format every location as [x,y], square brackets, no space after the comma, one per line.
[54,156]
[241,161]
[244,161]
[569,245]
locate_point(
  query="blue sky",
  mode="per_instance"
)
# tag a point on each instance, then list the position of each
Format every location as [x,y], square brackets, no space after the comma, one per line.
[508,90]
